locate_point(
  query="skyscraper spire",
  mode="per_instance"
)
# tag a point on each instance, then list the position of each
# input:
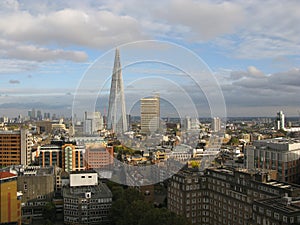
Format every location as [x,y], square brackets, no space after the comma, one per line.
[116,118]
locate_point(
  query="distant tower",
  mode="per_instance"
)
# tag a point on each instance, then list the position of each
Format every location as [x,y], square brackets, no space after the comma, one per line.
[216,124]
[150,114]
[280,121]
[116,118]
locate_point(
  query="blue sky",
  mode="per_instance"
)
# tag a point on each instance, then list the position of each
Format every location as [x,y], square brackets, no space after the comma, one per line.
[252,48]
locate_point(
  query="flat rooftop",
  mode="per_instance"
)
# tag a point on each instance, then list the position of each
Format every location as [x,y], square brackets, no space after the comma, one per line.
[37,171]
[98,191]
[282,204]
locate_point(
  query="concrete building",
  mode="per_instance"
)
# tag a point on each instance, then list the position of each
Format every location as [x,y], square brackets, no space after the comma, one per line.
[276,211]
[37,186]
[86,201]
[189,123]
[93,123]
[44,126]
[10,203]
[99,156]
[280,154]
[15,147]
[150,114]
[223,196]
[216,124]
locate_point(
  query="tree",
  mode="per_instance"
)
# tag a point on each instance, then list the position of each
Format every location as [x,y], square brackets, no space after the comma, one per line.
[49,212]
[195,164]
[234,141]
[130,208]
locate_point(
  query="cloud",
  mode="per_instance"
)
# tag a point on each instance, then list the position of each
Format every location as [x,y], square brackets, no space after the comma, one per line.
[252,71]
[270,30]
[9,66]
[204,19]
[246,29]
[273,90]
[67,27]
[14,81]
[33,53]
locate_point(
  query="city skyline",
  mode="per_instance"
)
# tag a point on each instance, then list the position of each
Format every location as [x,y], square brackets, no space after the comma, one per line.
[252,49]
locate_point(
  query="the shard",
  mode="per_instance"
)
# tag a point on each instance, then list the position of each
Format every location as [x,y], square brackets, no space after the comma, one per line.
[116,118]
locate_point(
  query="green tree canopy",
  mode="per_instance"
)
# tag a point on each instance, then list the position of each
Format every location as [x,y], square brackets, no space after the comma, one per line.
[129,208]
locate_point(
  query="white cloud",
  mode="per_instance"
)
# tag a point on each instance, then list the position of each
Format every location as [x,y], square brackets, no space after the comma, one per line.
[271,29]
[252,72]
[39,54]
[205,20]
[69,27]
[9,66]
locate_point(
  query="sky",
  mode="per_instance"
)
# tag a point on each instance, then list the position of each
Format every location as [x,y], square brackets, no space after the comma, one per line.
[251,48]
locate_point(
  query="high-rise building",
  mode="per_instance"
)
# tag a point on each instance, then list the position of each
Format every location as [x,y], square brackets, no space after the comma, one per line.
[39,115]
[10,203]
[15,147]
[280,124]
[47,115]
[278,154]
[189,123]
[93,122]
[116,118]
[216,124]
[150,114]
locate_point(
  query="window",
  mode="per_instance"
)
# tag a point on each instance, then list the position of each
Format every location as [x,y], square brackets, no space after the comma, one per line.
[284,218]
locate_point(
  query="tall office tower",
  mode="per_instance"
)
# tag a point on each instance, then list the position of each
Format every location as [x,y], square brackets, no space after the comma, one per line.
[39,115]
[116,118]
[150,114]
[15,147]
[93,122]
[10,204]
[33,115]
[280,121]
[216,124]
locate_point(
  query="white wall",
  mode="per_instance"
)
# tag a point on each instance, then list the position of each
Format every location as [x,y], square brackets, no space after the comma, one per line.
[83,179]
